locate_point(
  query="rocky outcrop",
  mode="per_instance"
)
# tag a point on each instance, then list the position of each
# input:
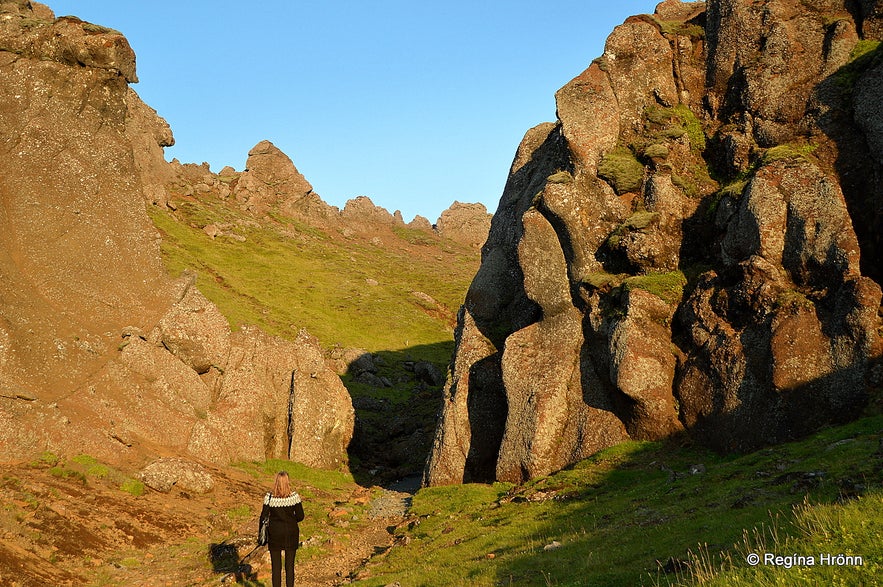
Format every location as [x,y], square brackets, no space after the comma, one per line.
[78,256]
[361,212]
[465,223]
[149,133]
[625,294]
[100,351]
[271,180]
[271,183]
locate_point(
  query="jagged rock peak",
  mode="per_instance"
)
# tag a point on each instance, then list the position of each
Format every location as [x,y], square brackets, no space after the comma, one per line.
[270,179]
[272,166]
[466,223]
[363,211]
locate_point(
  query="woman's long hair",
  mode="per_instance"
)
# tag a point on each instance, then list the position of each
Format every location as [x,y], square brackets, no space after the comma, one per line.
[282,486]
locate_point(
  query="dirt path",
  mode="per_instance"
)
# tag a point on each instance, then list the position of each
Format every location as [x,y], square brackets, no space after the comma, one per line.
[384,512]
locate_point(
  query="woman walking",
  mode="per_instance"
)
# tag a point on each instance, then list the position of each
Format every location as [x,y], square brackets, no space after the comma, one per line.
[283,509]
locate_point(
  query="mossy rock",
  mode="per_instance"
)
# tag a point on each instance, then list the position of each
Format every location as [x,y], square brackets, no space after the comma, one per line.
[622,170]
[640,220]
[560,177]
[656,151]
[787,151]
[667,286]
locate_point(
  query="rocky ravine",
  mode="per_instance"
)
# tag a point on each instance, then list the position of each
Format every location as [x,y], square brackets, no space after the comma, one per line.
[691,246]
[100,352]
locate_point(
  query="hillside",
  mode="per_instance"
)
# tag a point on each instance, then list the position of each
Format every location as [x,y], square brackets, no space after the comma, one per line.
[381,298]
[385,287]
[656,514]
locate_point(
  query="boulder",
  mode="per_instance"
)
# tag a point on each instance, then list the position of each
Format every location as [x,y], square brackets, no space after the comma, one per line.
[195,331]
[277,399]
[428,373]
[164,474]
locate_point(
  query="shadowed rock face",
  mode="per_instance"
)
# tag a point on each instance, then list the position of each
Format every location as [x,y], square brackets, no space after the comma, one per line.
[624,293]
[100,351]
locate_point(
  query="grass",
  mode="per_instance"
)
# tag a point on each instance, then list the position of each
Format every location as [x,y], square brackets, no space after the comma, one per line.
[86,468]
[286,276]
[322,480]
[817,544]
[133,486]
[414,236]
[619,517]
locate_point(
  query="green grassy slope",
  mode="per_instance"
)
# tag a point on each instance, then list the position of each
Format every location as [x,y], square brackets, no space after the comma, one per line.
[633,514]
[350,291]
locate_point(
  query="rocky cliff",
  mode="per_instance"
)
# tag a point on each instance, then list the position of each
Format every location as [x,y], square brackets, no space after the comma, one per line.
[100,351]
[692,246]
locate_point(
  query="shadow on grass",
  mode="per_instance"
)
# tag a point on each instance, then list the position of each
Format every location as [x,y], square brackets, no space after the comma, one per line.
[396,396]
[631,514]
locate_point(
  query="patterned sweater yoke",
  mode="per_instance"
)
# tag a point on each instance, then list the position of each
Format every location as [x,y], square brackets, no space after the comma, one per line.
[281,502]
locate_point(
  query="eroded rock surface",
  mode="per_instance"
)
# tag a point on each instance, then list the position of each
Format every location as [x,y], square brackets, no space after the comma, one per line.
[691,246]
[100,351]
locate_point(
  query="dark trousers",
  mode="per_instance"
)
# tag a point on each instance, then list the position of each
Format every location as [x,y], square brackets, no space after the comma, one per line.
[276,567]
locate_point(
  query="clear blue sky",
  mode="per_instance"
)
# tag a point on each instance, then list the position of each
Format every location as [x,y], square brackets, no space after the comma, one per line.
[414,104]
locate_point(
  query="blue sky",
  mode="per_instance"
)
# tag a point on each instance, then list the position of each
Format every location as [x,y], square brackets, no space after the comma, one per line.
[414,104]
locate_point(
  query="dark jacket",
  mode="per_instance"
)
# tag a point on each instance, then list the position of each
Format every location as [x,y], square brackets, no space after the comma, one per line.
[284,514]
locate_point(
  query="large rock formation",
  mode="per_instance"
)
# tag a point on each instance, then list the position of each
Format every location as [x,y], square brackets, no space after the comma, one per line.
[100,351]
[624,293]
